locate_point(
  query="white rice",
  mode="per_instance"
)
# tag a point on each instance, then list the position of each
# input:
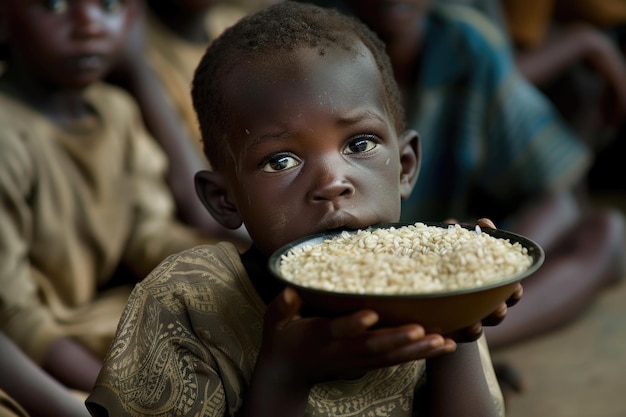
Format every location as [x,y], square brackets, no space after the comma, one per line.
[405,260]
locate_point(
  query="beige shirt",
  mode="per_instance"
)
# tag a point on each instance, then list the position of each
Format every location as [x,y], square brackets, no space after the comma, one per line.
[189,339]
[74,205]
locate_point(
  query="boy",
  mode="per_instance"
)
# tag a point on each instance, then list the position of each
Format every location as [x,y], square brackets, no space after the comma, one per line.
[303,126]
[81,185]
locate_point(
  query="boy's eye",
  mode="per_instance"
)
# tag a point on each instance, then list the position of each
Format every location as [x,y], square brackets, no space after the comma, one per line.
[61,6]
[112,5]
[362,143]
[279,163]
[57,6]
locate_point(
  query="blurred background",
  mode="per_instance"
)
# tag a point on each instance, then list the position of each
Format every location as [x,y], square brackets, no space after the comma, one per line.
[580,369]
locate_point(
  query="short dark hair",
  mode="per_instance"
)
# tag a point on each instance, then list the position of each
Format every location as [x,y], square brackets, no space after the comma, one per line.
[283,26]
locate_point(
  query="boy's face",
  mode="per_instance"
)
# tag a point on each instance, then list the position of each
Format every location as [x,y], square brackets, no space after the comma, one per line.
[68,43]
[313,146]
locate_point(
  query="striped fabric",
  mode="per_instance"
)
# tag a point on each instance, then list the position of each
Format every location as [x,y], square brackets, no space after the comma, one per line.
[490,140]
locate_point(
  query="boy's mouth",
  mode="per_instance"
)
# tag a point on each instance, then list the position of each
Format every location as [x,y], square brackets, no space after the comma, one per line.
[339,222]
[89,62]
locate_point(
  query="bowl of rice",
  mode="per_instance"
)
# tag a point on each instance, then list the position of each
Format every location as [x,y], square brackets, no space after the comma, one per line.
[444,277]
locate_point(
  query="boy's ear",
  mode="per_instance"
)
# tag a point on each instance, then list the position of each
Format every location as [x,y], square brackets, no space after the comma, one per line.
[410,161]
[212,191]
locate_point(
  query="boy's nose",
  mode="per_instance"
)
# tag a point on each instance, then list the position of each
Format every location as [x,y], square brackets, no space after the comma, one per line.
[331,183]
[88,19]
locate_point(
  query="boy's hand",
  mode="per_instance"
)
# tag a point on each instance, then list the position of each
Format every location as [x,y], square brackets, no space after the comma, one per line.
[473,332]
[311,350]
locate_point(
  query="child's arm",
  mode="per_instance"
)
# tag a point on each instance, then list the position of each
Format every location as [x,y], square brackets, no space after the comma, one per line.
[467,374]
[583,247]
[24,380]
[463,377]
[298,353]
[134,73]
[72,364]
[578,44]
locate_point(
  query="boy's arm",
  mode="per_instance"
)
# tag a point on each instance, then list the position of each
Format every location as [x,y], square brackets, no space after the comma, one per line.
[298,353]
[467,377]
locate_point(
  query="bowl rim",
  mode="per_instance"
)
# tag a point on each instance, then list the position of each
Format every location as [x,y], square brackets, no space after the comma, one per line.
[534,250]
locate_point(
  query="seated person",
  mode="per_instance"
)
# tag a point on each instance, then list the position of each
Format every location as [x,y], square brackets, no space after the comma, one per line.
[304,129]
[84,203]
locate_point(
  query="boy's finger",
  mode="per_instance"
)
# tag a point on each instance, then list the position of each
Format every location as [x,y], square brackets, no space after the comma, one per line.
[389,339]
[497,316]
[516,296]
[425,348]
[485,222]
[352,325]
[283,308]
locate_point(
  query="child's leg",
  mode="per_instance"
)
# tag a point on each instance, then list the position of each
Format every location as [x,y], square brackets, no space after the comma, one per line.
[589,258]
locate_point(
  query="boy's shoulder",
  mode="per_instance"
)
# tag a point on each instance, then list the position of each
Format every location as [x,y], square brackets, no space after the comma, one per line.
[197,266]
[203,278]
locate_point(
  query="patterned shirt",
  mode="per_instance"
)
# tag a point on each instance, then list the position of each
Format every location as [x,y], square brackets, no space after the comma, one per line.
[189,339]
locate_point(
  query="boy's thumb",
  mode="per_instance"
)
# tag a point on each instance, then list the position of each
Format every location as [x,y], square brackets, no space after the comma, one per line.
[284,308]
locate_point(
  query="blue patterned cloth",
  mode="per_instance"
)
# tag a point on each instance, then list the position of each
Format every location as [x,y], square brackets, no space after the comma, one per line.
[491,142]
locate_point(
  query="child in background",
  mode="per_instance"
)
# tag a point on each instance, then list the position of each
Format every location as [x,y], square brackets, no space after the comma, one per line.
[575,51]
[166,40]
[304,129]
[81,184]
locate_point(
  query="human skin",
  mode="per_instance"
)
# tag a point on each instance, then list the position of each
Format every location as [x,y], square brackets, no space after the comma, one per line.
[315,152]
[65,50]
[57,49]
[328,172]
[21,378]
